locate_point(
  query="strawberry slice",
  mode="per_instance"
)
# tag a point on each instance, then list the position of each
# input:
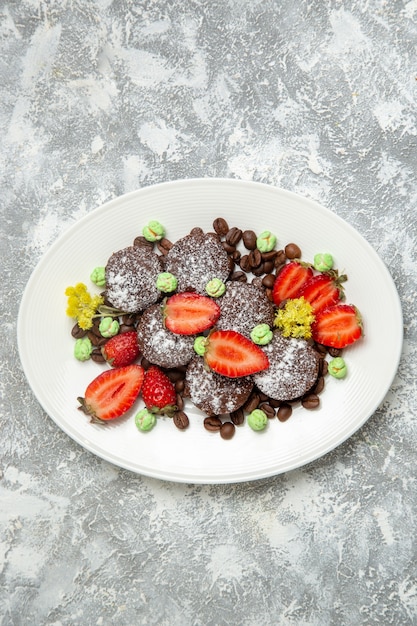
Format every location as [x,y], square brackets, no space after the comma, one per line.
[112,393]
[322,290]
[189,313]
[231,354]
[337,326]
[122,349]
[290,280]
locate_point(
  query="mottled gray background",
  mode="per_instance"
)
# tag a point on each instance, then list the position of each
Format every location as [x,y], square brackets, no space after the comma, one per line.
[101,97]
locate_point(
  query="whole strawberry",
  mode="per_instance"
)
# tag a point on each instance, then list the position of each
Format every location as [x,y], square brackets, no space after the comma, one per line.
[158,392]
[121,350]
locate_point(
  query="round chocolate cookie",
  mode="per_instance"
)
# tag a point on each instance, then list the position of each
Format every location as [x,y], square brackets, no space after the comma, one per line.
[158,344]
[196,259]
[293,368]
[244,306]
[214,394]
[131,276]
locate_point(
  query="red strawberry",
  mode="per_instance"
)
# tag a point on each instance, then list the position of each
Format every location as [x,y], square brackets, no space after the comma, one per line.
[337,326]
[231,354]
[158,392]
[322,290]
[290,280]
[121,350]
[189,313]
[112,393]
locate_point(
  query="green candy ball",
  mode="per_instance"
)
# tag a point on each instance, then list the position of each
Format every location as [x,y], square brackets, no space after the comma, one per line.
[98,276]
[83,349]
[337,367]
[145,420]
[323,262]
[257,420]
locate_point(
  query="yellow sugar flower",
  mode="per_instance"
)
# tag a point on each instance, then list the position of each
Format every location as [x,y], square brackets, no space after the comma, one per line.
[295,319]
[82,306]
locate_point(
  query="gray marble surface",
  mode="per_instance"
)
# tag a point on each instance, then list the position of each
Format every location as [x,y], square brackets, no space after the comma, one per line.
[100,97]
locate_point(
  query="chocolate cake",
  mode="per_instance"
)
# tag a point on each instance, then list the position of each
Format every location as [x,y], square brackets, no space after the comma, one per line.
[196,259]
[131,276]
[293,369]
[214,394]
[159,345]
[244,306]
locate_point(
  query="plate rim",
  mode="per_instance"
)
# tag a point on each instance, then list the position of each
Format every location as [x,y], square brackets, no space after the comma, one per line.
[190,182]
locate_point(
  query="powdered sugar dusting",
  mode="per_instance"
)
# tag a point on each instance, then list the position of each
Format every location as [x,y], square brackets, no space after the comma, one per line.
[159,345]
[215,394]
[243,307]
[196,259]
[131,276]
[293,368]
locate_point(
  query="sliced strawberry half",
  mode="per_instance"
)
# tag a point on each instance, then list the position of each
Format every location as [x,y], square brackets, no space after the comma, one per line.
[337,326]
[322,290]
[112,393]
[233,355]
[290,280]
[189,313]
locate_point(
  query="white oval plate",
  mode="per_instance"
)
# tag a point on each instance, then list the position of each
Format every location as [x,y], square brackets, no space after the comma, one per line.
[194,455]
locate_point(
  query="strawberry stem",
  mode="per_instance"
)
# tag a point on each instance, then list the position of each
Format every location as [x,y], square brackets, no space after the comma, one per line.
[109,311]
